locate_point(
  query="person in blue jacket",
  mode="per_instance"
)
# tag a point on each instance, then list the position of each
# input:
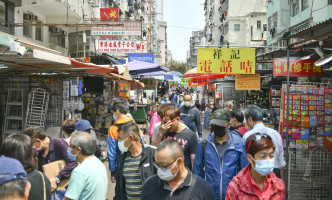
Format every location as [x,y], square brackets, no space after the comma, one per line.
[221,155]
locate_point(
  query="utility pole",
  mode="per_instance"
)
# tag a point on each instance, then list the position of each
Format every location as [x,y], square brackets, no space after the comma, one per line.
[67,32]
[151,27]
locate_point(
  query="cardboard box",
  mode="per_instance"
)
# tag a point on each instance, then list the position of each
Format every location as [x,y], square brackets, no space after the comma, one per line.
[52,169]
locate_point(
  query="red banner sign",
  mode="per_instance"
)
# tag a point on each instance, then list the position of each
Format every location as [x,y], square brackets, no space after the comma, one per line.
[109,14]
[296,67]
[199,80]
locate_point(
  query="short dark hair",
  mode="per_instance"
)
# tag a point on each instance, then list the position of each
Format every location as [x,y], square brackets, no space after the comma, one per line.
[128,128]
[14,188]
[238,115]
[121,107]
[172,112]
[253,145]
[255,112]
[84,140]
[35,132]
[68,126]
[174,147]
[19,146]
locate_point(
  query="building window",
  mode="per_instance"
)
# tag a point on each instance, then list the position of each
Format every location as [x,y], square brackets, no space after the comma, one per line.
[295,7]
[57,36]
[304,4]
[39,31]
[273,21]
[259,25]
[330,2]
[27,28]
[236,27]
[264,27]
[3,16]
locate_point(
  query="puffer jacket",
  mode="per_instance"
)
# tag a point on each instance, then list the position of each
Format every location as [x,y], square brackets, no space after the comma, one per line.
[242,188]
[112,143]
[215,171]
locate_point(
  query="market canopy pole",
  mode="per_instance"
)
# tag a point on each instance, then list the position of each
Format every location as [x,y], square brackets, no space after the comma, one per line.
[287,178]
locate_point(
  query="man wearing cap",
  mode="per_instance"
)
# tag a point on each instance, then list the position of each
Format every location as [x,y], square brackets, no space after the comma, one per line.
[84,125]
[221,155]
[13,180]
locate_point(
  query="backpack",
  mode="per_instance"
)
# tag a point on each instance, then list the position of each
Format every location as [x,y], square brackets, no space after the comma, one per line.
[204,143]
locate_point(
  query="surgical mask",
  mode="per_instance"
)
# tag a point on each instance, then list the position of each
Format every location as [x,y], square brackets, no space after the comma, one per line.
[166,174]
[187,103]
[122,147]
[37,150]
[263,167]
[219,131]
[114,117]
[71,156]
[181,99]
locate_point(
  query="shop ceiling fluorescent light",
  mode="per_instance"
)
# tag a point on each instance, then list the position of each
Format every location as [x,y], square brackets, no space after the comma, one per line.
[324,58]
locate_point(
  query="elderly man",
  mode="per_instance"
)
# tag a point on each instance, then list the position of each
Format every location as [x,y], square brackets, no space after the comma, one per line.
[89,179]
[254,118]
[13,180]
[174,180]
[191,116]
[221,155]
[173,128]
[135,164]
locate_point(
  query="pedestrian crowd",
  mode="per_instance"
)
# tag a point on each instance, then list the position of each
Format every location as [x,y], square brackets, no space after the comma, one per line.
[235,161]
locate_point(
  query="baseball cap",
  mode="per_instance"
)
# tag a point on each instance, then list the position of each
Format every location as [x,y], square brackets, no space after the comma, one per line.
[83,125]
[11,170]
[220,117]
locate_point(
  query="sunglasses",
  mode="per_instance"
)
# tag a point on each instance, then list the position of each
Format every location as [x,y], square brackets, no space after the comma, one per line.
[256,138]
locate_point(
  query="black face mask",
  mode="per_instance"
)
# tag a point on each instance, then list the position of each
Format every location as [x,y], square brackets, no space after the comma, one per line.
[219,131]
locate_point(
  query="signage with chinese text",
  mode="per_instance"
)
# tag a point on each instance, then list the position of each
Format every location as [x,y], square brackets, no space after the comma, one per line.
[122,46]
[199,80]
[185,81]
[109,14]
[145,57]
[296,67]
[150,83]
[117,28]
[226,60]
[247,82]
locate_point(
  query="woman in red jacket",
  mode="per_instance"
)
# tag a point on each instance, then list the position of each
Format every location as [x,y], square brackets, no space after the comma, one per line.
[257,181]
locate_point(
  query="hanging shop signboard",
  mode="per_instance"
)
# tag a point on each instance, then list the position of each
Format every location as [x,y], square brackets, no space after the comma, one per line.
[199,80]
[173,83]
[117,28]
[109,14]
[247,82]
[226,60]
[145,57]
[310,121]
[296,67]
[150,83]
[185,81]
[122,46]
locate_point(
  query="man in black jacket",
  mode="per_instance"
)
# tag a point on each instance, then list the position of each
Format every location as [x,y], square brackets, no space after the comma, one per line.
[135,163]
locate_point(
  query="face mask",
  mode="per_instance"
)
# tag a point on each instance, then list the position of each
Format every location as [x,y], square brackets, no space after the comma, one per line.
[181,99]
[37,150]
[122,147]
[167,175]
[219,131]
[154,109]
[263,167]
[187,103]
[114,117]
[71,156]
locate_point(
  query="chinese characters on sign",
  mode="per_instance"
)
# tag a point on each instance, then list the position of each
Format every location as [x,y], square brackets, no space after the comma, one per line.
[199,80]
[118,28]
[109,14]
[119,46]
[185,81]
[226,60]
[150,83]
[296,67]
[247,82]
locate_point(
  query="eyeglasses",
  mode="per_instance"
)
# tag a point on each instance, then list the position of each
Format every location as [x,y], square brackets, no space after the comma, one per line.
[164,168]
[256,138]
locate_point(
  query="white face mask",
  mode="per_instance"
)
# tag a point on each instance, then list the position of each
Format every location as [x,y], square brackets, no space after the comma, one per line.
[187,103]
[263,167]
[122,147]
[166,174]
[114,117]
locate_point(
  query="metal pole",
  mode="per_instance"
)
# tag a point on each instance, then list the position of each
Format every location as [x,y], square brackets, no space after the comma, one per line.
[287,177]
[67,32]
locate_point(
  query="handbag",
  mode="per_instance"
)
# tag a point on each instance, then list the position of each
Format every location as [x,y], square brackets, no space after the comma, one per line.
[44,186]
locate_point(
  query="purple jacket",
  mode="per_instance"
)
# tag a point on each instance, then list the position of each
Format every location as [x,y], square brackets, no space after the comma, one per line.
[58,151]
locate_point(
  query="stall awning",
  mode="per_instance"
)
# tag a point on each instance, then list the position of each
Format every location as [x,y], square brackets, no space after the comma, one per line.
[99,69]
[123,75]
[193,73]
[139,67]
[166,75]
[114,60]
